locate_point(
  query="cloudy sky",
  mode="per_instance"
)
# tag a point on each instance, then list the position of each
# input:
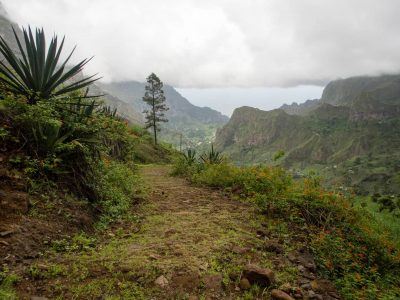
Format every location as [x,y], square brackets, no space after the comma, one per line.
[227,53]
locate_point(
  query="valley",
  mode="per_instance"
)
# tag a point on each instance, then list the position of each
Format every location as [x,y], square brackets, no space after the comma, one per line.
[123,189]
[350,137]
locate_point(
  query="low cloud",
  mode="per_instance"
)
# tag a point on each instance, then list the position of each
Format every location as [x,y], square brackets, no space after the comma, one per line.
[225,43]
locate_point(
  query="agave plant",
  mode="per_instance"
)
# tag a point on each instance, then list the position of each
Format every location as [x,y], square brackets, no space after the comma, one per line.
[37,73]
[111,112]
[190,156]
[212,156]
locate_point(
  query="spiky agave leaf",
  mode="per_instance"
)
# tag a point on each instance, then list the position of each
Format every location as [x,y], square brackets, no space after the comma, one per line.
[38,74]
[190,156]
[212,156]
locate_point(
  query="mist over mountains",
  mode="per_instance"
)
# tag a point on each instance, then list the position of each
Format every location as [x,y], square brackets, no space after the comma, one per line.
[197,125]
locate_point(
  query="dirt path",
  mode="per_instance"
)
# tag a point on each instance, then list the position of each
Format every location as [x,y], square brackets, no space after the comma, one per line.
[194,234]
[183,242]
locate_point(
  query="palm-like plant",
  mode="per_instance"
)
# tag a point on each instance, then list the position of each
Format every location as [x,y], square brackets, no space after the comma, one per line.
[37,73]
[212,157]
[190,156]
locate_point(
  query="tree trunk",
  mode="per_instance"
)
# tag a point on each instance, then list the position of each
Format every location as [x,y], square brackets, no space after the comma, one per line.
[154,122]
[155,134]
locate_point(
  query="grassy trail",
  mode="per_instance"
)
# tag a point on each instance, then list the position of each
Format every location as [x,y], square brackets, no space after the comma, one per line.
[196,238]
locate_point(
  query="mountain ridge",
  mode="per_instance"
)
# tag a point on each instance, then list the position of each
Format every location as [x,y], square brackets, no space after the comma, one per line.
[350,144]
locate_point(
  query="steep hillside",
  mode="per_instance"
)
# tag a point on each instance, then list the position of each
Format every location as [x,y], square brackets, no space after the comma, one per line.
[356,144]
[196,124]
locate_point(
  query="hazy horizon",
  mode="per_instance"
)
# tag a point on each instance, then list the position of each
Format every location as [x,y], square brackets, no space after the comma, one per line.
[226,100]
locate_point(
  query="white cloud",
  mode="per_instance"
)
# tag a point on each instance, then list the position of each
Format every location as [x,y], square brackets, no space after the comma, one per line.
[223,43]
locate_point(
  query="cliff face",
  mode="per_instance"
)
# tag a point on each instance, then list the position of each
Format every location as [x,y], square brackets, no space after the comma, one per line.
[350,135]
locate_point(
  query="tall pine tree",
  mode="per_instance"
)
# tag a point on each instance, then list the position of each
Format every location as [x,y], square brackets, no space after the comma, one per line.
[154,97]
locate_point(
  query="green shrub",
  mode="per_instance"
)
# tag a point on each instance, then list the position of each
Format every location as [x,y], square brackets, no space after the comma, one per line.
[216,175]
[357,255]
[80,242]
[211,157]
[117,187]
[190,156]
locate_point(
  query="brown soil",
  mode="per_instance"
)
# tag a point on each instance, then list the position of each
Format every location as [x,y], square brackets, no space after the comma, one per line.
[28,223]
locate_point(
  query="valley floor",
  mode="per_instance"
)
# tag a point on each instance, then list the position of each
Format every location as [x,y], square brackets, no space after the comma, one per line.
[183,242]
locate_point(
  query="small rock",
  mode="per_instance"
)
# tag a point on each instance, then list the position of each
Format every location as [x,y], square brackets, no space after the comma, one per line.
[261,276]
[304,258]
[38,298]
[193,297]
[286,287]
[308,275]
[263,232]
[303,281]
[170,232]
[323,286]
[334,295]
[313,295]
[213,282]
[244,284]
[239,250]
[154,256]
[301,268]
[280,295]
[274,246]
[6,233]
[161,281]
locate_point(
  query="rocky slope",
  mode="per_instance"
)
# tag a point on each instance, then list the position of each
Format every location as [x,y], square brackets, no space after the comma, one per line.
[350,136]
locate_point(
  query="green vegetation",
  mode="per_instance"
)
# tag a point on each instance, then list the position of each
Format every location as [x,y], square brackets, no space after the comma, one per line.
[35,76]
[7,282]
[60,143]
[154,96]
[211,157]
[73,141]
[359,256]
[389,220]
